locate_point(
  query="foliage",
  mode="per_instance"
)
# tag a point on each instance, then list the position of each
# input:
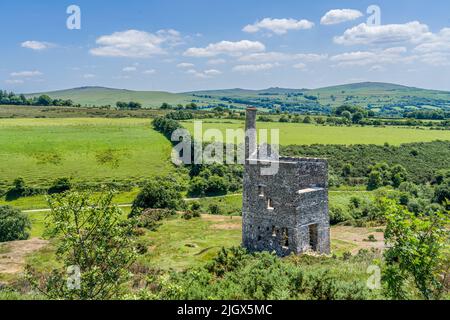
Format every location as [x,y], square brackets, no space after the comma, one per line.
[14,225]
[151,218]
[159,193]
[93,237]
[235,274]
[417,251]
[60,185]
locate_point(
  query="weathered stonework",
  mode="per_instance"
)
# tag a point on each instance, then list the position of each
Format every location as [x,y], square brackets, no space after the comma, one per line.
[286,212]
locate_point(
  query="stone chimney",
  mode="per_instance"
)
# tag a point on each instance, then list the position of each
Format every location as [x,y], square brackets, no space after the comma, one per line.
[250,134]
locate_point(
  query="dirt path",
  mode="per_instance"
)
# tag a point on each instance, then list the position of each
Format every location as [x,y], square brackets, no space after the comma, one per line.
[12,254]
[357,238]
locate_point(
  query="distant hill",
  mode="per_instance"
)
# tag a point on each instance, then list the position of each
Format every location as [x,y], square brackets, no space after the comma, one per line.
[387,98]
[100,96]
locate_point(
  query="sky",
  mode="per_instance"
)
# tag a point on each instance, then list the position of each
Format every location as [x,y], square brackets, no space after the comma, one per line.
[187,45]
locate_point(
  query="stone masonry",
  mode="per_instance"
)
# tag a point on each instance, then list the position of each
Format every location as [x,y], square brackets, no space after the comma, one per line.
[286,212]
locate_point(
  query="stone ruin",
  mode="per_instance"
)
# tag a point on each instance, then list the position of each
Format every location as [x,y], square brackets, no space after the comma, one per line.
[286,212]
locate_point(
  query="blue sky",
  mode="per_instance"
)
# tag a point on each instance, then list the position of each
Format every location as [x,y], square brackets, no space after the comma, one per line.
[188,45]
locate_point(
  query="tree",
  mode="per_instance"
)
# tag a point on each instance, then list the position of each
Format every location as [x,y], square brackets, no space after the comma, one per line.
[157,194]
[347,115]
[307,119]
[375,180]
[44,100]
[121,105]
[14,225]
[357,117]
[416,251]
[92,239]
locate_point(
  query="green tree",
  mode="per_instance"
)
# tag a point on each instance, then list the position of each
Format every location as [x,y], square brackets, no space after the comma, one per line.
[416,251]
[93,238]
[158,193]
[14,225]
[375,180]
[357,117]
[44,100]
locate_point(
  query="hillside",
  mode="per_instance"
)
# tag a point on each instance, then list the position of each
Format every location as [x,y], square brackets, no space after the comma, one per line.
[99,96]
[388,99]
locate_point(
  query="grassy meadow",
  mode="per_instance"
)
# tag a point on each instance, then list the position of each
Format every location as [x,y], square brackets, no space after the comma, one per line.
[307,134]
[91,150]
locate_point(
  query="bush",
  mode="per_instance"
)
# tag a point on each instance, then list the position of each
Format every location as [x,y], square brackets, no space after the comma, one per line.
[14,225]
[338,215]
[214,209]
[60,185]
[157,194]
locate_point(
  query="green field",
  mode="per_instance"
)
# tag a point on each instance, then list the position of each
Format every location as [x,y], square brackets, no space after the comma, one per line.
[87,150]
[307,134]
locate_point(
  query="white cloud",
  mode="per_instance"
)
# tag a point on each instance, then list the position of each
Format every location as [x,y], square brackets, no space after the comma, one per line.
[36,45]
[134,43]
[88,76]
[281,56]
[411,32]
[14,81]
[213,62]
[340,15]
[26,74]
[278,26]
[204,74]
[300,66]
[377,57]
[185,65]
[149,71]
[129,69]
[226,47]
[212,72]
[253,67]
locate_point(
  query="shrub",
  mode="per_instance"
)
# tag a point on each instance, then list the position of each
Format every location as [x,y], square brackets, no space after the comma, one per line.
[338,215]
[157,194]
[14,225]
[214,209]
[60,185]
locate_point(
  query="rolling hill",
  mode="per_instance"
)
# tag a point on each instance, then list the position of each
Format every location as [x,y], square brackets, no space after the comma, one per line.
[386,98]
[100,96]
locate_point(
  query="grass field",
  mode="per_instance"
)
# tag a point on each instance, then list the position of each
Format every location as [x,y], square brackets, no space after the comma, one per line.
[307,134]
[90,150]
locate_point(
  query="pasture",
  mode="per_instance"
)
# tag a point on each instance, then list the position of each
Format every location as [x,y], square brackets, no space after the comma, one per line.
[93,150]
[307,134]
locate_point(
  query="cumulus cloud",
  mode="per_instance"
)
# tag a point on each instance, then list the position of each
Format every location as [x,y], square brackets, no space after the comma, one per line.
[363,34]
[278,26]
[281,57]
[204,74]
[435,50]
[254,67]
[340,15]
[26,74]
[134,43]
[185,65]
[377,57]
[149,71]
[36,45]
[226,47]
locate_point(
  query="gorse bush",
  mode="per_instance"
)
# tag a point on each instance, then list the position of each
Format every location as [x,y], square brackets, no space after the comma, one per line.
[235,274]
[159,193]
[14,225]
